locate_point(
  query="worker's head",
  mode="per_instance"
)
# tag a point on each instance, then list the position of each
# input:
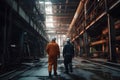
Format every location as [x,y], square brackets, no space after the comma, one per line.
[68,39]
[53,39]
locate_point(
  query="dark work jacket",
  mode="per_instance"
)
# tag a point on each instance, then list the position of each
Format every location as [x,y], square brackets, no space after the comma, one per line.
[68,50]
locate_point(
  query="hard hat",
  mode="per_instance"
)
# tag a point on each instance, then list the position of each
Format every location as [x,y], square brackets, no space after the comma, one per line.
[53,39]
[68,39]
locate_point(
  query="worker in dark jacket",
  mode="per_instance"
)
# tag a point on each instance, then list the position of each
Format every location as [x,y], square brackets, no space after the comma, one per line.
[68,54]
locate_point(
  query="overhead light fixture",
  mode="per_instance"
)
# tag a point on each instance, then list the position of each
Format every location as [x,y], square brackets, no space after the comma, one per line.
[41,2]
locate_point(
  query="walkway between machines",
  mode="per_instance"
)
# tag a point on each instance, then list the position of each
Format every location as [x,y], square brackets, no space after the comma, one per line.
[39,71]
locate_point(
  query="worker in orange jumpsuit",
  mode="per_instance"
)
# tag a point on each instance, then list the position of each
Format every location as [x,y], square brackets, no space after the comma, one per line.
[53,53]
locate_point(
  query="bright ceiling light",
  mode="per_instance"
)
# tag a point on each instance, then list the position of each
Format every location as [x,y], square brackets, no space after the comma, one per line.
[49,25]
[48,7]
[41,2]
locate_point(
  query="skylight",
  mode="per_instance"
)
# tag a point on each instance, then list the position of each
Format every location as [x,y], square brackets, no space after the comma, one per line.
[48,9]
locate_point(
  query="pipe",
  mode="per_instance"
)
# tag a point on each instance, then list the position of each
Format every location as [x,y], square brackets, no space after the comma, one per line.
[79,9]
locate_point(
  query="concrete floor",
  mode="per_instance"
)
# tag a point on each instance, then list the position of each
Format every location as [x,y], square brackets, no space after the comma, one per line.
[82,71]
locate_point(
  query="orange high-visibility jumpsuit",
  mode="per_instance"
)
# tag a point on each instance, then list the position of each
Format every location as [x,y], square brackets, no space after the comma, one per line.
[53,52]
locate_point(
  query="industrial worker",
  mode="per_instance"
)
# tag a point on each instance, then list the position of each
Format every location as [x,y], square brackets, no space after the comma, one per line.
[53,53]
[68,54]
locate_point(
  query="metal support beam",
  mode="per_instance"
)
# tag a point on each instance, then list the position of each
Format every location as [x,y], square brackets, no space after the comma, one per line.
[112,51]
[4,37]
[60,14]
[86,46]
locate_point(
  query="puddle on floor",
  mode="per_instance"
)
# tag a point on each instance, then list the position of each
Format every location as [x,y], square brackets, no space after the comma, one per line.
[103,75]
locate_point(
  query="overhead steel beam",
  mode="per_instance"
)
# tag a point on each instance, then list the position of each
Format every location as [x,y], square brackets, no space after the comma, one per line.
[56,30]
[59,17]
[57,33]
[60,25]
[60,14]
[68,9]
[64,4]
[58,21]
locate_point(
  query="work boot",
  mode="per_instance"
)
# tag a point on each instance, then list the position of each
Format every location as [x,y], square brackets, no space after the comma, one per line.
[55,73]
[70,66]
[50,74]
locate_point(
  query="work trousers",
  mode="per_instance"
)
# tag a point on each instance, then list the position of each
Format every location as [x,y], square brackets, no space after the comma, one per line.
[68,63]
[52,62]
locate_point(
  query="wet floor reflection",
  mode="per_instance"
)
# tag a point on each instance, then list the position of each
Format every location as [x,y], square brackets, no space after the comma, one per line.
[99,72]
[81,71]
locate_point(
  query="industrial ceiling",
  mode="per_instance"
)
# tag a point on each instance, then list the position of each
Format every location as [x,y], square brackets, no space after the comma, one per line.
[62,14]
[57,15]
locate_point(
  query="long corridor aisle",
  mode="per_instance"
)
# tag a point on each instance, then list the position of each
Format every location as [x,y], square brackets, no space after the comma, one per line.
[83,70]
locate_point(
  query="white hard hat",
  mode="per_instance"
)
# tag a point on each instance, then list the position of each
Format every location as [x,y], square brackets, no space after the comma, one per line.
[68,39]
[53,39]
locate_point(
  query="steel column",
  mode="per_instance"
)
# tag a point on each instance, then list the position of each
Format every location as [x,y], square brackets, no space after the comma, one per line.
[112,40]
